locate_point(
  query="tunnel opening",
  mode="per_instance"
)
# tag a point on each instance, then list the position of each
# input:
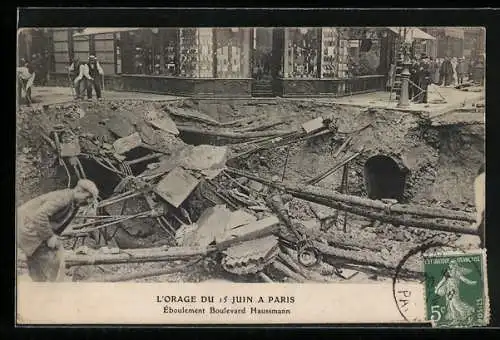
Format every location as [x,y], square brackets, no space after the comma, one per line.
[384,178]
[105,180]
[134,157]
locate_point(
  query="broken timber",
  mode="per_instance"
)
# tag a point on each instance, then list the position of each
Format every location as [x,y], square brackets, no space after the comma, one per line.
[136,256]
[226,134]
[346,202]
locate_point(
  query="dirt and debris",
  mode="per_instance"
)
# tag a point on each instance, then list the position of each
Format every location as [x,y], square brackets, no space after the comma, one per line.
[156,154]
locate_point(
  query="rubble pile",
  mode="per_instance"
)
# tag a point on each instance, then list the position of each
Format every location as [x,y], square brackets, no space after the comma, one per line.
[275,198]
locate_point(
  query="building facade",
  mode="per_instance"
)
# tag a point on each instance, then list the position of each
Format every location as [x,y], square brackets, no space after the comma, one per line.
[467,42]
[229,62]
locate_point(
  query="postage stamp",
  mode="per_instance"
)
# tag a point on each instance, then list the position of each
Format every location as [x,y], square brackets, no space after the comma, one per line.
[456,290]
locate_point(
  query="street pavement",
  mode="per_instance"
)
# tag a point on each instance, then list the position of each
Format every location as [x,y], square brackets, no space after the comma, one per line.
[457,105]
[57,95]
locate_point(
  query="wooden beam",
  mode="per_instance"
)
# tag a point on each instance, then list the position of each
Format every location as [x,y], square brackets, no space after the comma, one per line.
[135,256]
[333,198]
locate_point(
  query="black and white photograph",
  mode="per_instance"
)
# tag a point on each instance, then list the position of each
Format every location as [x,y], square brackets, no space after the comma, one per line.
[246,155]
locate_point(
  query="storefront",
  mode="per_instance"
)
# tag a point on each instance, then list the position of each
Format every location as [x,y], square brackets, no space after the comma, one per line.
[231,62]
[201,62]
[332,61]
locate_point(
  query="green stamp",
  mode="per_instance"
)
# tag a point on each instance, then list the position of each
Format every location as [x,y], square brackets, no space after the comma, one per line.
[456,289]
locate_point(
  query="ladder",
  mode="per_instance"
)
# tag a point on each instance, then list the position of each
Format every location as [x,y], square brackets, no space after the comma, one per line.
[396,81]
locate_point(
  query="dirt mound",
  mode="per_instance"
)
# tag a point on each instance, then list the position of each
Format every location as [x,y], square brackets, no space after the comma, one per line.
[461,153]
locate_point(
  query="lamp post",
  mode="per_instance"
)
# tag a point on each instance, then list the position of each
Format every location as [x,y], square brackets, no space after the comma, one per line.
[404,100]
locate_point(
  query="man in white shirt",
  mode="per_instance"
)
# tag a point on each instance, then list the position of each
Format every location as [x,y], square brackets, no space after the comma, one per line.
[93,72]
[25,77]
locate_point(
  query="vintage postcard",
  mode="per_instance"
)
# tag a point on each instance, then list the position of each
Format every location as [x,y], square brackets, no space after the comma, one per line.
[240,175]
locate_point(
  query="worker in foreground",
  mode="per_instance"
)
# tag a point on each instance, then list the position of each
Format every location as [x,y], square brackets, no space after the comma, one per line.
[25,78]
[41,220]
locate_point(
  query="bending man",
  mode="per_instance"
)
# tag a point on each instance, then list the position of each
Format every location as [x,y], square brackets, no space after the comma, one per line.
[41,220]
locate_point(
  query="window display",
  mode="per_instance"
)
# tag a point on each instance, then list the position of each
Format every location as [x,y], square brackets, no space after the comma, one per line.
[139,47]
[233,52]
[343,59]
[329,62]
[170,41]
[196,52]
[205,55]
[302,49]
[189,52]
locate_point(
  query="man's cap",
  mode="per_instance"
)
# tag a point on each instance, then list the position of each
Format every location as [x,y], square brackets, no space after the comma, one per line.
[88,186]
[92,57]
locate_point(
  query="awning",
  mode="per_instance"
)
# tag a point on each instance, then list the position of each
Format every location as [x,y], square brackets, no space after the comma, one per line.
[106,30]
[412,33]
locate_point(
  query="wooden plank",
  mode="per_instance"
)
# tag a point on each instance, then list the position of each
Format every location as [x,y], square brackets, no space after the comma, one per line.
[134,255]
[261,228]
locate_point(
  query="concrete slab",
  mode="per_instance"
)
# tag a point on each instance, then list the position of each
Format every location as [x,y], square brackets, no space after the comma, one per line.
[205,157]
[128,143]
[212,225]
[176,186]
[313,125]
[166,124]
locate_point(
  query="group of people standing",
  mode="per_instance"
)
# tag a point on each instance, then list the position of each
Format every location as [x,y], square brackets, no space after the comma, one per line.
[425,71]
[86,76]
[451,71]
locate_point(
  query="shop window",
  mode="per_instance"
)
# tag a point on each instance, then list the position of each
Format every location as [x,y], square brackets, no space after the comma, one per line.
[188,52]
[343,65]
[137,51]
[302,53]
[233,52]
[330,53]
[169,58]
[369,57]
[196,52]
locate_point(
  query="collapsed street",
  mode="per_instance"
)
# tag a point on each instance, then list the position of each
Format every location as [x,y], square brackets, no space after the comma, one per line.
[263,190]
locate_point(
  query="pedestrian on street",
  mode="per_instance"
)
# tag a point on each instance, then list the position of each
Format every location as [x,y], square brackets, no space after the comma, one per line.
[424,77]
[447,72]
[25,79]
[412,89]
[461,70]
[454,64]
[471,68]
[435,71]
[41,220]
[95,75]
[39,66]
[77,78]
